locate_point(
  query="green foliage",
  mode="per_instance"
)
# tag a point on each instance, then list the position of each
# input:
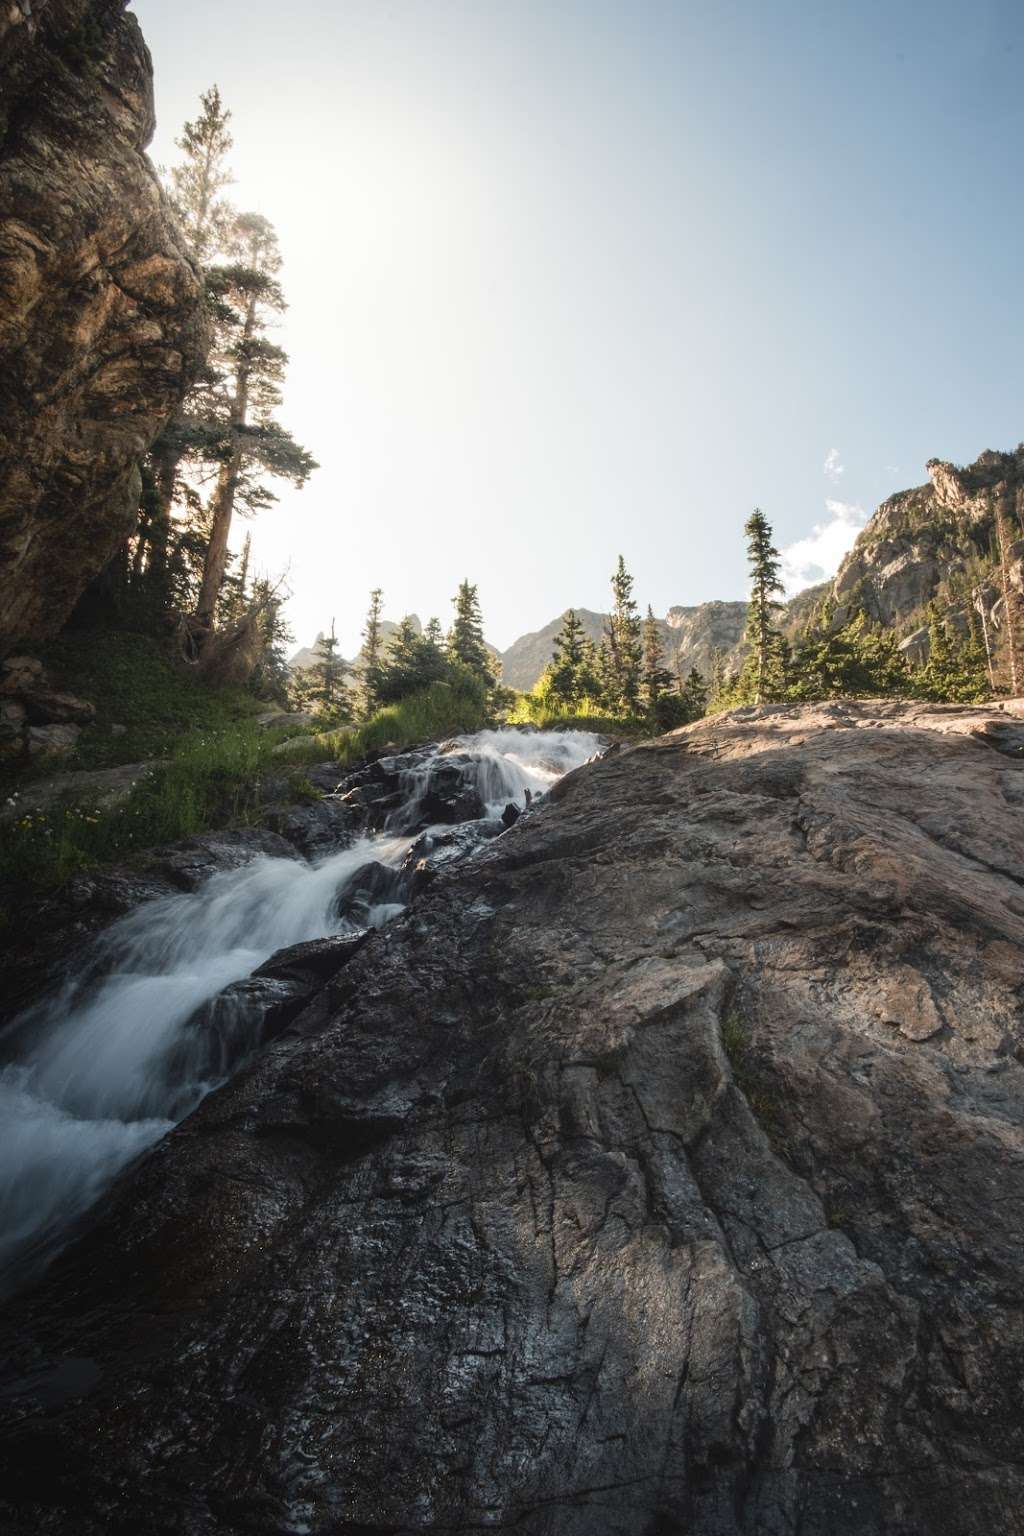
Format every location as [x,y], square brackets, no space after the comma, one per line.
[621,652]
[329,692]
[956,670]
[572,676]
[370,656]
[763,676]
[448,708]
[212,778]
[136,682]
[466,640]
[412,662]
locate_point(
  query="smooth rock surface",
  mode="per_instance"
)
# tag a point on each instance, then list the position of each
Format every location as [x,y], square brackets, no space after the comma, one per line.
[661,1171]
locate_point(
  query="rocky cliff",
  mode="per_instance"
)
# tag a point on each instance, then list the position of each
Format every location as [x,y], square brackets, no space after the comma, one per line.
[661,1170]
[101,322]
[936,538]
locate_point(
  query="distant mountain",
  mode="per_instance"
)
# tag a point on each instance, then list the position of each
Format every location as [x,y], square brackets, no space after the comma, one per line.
[689,635]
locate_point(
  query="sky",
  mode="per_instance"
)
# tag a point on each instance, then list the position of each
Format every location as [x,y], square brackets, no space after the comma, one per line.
[570,278]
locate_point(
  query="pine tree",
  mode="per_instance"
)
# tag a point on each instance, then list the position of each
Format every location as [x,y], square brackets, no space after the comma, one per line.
[655,678]
[694,694]
[622,647]
[195,187]
[720,682]
[370,656]
[466,639]
[565,674]
[254,444]
[411,662]
[763,673]
[200,178]
[329,672]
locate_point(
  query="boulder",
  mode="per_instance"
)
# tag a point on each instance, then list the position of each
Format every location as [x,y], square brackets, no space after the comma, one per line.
[661,1171]
[51,740]
[45,708]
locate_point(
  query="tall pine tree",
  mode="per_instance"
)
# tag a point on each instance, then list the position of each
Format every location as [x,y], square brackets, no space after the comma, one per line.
[370,656]
[763,673]
[622,648]
[466,638]
[254,444]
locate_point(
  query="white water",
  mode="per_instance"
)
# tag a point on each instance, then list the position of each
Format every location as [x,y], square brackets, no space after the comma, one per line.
[106,1074]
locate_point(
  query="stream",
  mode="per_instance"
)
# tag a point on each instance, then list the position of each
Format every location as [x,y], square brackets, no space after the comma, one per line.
[124,1051]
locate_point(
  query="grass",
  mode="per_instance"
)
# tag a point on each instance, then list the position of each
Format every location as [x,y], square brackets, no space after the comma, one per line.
[136,683]
[215,776]
[528,709]
[439,712]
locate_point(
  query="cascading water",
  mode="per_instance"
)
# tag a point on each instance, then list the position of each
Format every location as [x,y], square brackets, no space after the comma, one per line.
[112,1066]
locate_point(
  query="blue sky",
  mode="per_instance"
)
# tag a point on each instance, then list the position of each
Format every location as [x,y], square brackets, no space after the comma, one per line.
[569,277]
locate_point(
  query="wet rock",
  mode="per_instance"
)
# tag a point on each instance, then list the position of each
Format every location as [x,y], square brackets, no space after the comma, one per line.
[315,960]
[373,884]
[617,1188]
[435,851]
[316,829]
[191,864]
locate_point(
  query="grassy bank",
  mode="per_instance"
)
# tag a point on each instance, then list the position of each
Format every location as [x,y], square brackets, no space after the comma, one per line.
[529,709]
[215,776]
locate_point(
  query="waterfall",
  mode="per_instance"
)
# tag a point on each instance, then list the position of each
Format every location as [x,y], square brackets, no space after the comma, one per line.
[108,1069]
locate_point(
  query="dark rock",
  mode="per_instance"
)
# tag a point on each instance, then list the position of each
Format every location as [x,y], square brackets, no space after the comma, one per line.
[44,707]
[510,815]
[315,960]
[371,885]
[318,828]
[102,324]
[435,851]
[613,1190]
[190,864]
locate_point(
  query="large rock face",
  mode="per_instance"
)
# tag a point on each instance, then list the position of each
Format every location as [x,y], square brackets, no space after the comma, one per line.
[101,325]
[661,1171]
[935,536]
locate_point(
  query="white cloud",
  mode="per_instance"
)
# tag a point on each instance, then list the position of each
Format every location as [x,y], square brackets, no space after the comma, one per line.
[833,466]
[818,556]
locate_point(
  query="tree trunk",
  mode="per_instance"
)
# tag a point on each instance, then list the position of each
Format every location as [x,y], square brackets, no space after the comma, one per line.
[166,459]
[1009,602]
[216,560]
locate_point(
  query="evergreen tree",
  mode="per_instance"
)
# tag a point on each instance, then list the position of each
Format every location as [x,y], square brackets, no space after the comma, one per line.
[694,694]
[565,677]
[466,639]
[719,682]
[763,675]
[202,175]
[655,678]
[956,670]
[411,663]
[621,656]
[196,184]
[370,656]
[329,673]
[253,444]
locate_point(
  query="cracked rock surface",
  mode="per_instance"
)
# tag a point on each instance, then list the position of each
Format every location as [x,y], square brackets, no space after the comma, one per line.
[102,324]
[660,1171]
